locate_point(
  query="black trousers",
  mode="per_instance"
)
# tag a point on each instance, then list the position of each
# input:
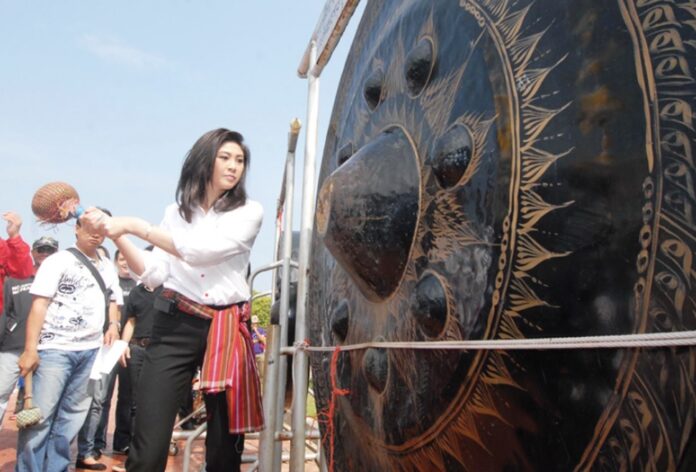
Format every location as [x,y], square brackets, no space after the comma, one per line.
[135,365]
[123,411]
[223,451]
[176,349]
[122,432]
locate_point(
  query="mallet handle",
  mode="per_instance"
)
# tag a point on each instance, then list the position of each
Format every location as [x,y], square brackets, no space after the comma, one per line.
[27,391]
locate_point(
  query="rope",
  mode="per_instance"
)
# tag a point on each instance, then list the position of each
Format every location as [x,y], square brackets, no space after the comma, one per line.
[636,340]
[676,338]
[329,415]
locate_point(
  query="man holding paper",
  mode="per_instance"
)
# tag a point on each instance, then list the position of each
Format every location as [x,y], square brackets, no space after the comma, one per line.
[72,291]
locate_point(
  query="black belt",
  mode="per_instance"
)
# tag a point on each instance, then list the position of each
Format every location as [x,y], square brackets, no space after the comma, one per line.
[142,342]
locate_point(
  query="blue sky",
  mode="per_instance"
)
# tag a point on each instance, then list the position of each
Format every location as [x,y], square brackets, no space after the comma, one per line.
[109,96]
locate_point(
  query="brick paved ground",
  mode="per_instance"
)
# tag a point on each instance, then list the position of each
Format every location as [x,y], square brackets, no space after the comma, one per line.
[8,444]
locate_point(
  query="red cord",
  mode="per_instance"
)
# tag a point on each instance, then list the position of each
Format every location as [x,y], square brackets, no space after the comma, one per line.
[331,411]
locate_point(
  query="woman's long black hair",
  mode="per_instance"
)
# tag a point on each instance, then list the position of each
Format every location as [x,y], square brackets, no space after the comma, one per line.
[197,172]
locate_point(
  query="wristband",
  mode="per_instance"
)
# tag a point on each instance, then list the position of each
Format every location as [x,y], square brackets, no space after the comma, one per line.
[118,325]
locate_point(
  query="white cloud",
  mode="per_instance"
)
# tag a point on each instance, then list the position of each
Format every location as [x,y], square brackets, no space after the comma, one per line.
[113,50]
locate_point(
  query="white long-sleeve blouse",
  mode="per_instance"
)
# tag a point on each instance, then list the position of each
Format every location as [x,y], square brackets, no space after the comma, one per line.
[214,248]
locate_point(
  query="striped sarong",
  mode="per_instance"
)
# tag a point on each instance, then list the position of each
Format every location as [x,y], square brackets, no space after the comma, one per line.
[228,363]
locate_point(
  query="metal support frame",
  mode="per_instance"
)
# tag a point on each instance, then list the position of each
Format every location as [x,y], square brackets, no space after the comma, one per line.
[330,28]
[287,194]
[269,450]
[300,362]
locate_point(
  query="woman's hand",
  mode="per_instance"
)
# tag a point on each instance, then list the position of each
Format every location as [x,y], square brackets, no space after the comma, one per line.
[99,222]
[94,221]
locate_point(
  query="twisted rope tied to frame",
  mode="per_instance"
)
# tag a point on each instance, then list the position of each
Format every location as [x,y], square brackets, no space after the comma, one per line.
[613,341]
[635,340]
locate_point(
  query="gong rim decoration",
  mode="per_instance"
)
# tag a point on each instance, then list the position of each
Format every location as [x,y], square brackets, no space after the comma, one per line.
[509,170]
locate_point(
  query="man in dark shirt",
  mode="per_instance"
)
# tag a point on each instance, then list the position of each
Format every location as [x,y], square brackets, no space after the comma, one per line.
[122,432]
[13,320]
[140,311]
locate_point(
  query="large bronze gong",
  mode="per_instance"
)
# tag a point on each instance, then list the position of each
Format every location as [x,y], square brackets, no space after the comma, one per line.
[510,169]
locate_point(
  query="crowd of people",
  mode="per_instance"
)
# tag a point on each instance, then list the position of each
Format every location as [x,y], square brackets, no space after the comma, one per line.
[181,305]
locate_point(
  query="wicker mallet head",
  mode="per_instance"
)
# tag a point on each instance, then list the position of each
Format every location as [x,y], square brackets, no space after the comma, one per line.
[30,415]
[56,202]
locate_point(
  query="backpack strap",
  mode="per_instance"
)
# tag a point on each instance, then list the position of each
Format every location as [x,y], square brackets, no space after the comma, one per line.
[95,273]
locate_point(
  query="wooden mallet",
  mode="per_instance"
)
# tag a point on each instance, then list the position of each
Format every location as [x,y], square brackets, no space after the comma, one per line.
[29,416]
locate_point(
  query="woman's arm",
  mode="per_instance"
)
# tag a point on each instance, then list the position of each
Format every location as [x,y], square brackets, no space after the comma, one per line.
[118,225]
[150,269]
[197,244]
[115,227]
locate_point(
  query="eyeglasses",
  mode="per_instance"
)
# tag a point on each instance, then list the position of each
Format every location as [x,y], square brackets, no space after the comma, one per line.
[45,250]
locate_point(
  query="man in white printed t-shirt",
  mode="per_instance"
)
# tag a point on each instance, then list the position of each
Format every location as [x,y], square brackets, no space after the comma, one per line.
[64,333]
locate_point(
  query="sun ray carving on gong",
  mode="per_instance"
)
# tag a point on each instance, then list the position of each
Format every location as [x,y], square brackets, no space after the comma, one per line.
[451,207]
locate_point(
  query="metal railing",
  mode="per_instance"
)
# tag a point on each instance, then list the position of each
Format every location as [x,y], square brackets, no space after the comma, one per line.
[330,28]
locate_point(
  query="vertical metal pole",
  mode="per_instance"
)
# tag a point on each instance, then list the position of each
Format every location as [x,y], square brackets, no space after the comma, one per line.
[267,445]
[281,391]
[300,370]
[267,441]
[277,249]
[282,362]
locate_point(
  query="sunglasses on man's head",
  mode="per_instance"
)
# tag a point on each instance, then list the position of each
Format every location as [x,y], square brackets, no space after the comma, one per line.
[45,250]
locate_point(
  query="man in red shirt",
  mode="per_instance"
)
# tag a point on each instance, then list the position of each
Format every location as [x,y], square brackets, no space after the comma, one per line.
[15,257]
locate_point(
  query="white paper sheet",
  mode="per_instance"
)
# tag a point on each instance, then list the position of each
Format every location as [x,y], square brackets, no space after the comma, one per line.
[106,359]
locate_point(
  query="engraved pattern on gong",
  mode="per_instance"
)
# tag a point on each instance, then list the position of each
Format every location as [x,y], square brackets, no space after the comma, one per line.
[407,256]
[635,432]
[455,238]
